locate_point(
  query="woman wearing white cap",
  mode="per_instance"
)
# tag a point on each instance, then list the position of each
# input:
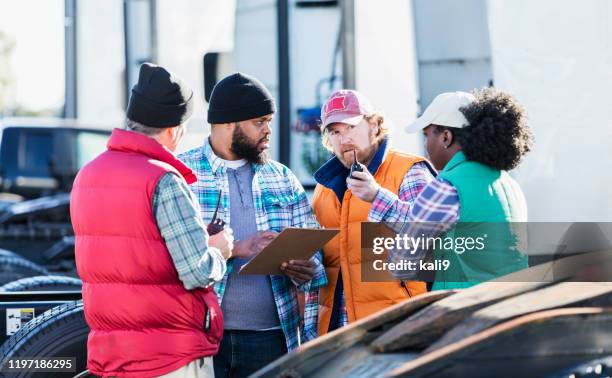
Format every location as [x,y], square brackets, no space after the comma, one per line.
[473,139]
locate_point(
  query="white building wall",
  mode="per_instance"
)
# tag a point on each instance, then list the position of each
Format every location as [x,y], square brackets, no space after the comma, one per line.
[556,57]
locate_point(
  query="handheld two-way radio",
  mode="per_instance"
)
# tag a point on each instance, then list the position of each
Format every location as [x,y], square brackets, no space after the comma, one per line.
[356,167]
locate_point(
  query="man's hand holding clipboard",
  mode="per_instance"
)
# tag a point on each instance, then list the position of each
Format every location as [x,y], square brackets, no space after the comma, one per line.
[289,254]
[254,244]
[300,271]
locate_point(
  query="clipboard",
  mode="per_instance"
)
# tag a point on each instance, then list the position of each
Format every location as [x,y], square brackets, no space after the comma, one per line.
[291,244]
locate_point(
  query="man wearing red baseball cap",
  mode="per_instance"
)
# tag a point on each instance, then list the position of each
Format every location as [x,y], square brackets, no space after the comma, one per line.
[352,128]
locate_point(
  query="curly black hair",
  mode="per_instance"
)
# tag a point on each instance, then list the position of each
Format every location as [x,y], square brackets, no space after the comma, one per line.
[497,134]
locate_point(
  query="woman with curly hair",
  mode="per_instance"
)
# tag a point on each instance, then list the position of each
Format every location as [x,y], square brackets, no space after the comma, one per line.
[473,139]
[488,127]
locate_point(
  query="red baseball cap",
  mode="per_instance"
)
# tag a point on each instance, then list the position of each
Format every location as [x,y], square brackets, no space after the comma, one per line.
[345,106]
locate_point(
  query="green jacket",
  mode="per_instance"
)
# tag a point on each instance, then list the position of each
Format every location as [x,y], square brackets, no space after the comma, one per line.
[489,200]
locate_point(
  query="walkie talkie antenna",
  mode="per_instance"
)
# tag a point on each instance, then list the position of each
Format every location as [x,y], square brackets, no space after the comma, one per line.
[217,208]
[216,225]
[355,167]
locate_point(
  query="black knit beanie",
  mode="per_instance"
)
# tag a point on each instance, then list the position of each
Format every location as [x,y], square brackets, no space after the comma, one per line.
[159,99]
[239,97]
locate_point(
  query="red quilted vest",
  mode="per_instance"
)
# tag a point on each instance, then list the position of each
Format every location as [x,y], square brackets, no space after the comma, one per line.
[143,321]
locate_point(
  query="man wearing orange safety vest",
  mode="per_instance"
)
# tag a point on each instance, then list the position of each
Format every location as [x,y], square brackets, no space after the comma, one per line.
[352,127]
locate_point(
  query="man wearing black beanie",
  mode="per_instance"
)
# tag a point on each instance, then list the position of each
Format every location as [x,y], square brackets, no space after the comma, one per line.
[259,198]
[141,243]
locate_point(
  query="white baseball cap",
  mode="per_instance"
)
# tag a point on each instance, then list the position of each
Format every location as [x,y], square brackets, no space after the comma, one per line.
[444,111]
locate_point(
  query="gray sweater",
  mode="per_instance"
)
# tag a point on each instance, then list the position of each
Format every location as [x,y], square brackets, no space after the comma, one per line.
[248,301]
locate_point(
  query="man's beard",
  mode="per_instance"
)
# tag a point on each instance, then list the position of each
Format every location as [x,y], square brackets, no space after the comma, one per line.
[245,149]
[363,157]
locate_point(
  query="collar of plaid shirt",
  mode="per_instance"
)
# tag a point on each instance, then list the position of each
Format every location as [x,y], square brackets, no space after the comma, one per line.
[280,202]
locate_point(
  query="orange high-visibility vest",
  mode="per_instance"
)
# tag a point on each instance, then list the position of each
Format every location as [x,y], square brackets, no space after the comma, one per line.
[344,251]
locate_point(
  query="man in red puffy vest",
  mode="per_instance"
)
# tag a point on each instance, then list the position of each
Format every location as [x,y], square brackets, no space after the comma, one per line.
[142,249]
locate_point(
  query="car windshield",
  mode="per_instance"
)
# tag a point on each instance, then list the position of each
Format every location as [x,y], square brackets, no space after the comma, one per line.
[35,153]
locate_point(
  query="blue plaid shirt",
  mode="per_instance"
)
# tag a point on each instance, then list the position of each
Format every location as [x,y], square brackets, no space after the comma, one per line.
[280,202]
[434,211]
[177,214]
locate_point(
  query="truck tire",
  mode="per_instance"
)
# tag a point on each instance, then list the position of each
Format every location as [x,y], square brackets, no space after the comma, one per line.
[43,283]
[14,267]
[59,332]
